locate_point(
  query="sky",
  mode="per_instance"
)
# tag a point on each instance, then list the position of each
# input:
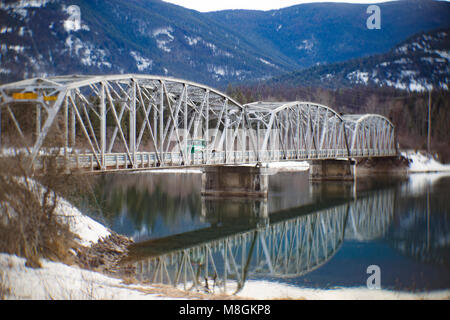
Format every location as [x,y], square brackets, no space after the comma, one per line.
[214,5]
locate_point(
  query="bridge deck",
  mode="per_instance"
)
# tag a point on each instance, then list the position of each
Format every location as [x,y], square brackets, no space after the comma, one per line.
[149,160]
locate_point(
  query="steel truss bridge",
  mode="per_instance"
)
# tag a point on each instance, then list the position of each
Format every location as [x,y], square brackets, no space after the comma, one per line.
[283,245]
[143,121]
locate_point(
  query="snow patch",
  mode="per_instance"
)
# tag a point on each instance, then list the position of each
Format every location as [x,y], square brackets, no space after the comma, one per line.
[88,230]
[266,62]
[408,73]
[402,49]
[402,61]
[73,22]
[443,54]
[306,45]
[192,41]
[259,289]
[141,62]
[219,70]
[163,37]
[57,281]
[89,55]
[216,51]
[421,162]
[358,76]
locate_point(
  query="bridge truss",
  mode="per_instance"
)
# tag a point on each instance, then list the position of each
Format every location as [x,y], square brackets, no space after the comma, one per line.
[142,121]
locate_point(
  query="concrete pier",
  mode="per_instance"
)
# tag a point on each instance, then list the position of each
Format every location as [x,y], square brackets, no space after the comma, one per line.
[331,169]
[235,181]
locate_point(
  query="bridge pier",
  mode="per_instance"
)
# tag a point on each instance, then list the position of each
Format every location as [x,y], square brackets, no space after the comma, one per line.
[235,181]
[330,169]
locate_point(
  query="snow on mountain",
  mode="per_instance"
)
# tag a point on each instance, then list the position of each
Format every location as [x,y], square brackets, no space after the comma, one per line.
[420,63]
[54,37]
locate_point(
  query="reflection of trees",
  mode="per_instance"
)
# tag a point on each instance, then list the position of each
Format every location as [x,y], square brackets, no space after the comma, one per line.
[421,228]
[146,198]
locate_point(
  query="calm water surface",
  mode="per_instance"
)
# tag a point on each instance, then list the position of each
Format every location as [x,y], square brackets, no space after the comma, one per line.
[321,235]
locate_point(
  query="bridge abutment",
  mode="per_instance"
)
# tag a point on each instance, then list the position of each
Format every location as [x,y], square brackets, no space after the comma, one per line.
[330,169]
[392,166]
[235,181]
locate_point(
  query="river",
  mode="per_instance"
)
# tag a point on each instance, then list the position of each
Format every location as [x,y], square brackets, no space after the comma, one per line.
[306,234]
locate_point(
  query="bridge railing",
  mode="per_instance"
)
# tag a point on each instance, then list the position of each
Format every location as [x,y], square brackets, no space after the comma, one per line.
[117,161]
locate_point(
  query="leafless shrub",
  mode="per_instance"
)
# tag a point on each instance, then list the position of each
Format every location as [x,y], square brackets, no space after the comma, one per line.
[29,224]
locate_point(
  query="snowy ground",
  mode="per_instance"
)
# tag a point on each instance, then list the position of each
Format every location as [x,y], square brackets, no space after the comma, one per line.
[259,290]
[59,281]
[420,162]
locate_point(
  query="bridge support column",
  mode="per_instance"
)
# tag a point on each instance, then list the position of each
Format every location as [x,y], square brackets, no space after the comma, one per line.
[330,169]
[235,181]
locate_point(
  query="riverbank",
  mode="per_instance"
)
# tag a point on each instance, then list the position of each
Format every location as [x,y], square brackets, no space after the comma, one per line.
[96,274]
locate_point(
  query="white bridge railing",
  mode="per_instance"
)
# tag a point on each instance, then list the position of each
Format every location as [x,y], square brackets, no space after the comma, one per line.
[118,161]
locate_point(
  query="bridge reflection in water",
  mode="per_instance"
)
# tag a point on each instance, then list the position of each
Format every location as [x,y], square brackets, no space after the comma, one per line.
[287,243]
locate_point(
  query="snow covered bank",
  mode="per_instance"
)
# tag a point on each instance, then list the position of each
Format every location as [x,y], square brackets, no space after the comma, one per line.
[61,282]
[88,230]
[256,289]
[421,162]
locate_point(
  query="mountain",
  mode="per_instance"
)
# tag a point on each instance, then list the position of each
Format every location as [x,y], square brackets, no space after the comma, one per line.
[54,37]
[44,37]
[417,64]
[320,33]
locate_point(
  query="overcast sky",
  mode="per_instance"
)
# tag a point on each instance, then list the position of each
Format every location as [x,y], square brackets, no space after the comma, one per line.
[214,5]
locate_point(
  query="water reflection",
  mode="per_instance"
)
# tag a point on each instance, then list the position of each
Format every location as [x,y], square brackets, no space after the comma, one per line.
[243,241]
[421,230]
[150,205]
[215,245]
